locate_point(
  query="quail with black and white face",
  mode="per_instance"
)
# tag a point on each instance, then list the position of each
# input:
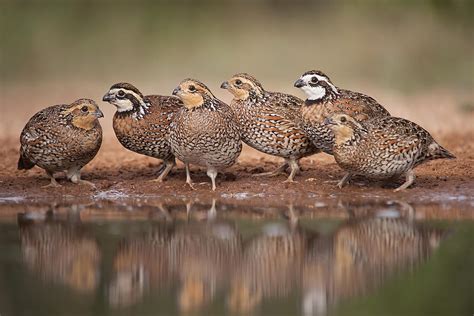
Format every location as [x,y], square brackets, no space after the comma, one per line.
[382,148]
[324,99]
[142,123]
[269,121]
[62,137]
[203,131]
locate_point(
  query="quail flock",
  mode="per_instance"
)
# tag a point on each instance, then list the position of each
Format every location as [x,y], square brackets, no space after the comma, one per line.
[195,127]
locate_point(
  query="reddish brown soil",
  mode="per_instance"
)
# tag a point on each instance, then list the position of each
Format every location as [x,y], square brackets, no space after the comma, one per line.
[448,184]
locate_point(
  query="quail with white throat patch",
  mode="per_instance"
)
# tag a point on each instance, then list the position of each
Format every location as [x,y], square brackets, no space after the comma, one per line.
[203,131]
[62,137]
[269,122]
[382,148]
[142,123]
[324,99]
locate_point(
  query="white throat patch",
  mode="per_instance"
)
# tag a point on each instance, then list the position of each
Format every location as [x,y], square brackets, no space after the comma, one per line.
[314,93]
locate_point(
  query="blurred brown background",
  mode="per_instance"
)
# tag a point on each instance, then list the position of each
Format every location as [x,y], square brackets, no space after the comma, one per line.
[415,57]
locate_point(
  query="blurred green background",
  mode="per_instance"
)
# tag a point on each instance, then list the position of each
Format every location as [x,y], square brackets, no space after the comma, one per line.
[57,51]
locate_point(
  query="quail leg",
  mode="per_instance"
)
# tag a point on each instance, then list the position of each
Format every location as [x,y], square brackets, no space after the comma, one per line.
[188,177]
[212,173]
[294,167]
[169,164]
[75,176]
[410,178]
[212,212]
[53,183]
[273,173]
[344,180]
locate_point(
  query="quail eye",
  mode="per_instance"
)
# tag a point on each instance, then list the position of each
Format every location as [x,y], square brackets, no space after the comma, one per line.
[192,88]
[343,119]
[121,93]
[314,79]
[238,82]
[84,109]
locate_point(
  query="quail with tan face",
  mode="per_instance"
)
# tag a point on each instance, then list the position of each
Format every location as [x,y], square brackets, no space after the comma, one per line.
[382,148]
[62,137]
[141,123]
[203,131]
[325,99]
[269,121]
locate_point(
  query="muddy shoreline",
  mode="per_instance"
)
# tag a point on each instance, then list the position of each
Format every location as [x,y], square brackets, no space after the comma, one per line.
[123,178]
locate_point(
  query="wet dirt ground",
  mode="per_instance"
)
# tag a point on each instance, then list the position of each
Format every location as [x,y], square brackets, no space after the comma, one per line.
[443,188]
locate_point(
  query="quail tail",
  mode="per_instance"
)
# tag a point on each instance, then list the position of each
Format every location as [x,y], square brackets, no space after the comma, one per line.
[24,163]
[438,152]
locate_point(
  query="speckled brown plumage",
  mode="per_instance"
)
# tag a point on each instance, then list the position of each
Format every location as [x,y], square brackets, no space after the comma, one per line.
[141,123]
[62,137]
[324,99]
[382,148]
[203,132]
[269,121]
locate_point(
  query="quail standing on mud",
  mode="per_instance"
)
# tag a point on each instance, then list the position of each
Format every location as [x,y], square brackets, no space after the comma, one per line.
[62,137]
[204,132]
[382,148]
[142,123]
[269,121]
[324,99]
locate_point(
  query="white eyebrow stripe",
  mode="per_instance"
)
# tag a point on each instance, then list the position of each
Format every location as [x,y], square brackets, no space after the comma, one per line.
[321,78]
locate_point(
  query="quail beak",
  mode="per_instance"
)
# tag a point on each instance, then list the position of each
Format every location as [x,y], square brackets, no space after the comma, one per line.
[176,91]
[225,85]
[108,97]
[98,113]
[329,121]
[299,83]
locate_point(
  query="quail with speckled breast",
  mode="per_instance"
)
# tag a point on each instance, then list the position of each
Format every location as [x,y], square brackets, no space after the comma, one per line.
[142,123]
[203,131]
[324,99]
[62,137]
[269,122]
[382,148]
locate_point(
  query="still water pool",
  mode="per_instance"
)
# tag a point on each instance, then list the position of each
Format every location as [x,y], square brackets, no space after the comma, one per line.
[383,262]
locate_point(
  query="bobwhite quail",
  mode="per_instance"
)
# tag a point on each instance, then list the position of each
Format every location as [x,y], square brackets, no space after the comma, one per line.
[62,137]
[141,123]
[204,132]
[382,148]
[324,99]
[269,121]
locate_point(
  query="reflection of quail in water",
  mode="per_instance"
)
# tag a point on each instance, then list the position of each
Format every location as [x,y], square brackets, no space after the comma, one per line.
[203,131]
[141,123]
[382,148]
[62,137]
[270,266]
[324,99]
[61,252]
[360,256]
[269,121]
[203,255]
[140,264]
